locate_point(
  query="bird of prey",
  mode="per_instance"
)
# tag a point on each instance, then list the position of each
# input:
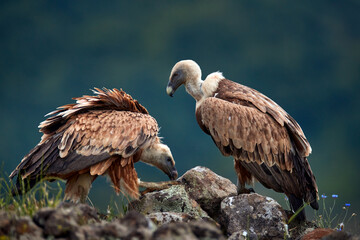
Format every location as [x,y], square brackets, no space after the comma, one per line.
[267,144]
[104,134]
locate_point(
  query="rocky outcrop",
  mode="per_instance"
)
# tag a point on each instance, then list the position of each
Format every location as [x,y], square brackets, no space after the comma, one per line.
[207,188]
[161,218]
[253,215]
[189,231]
[204,206]
[133,226]
[174,199]
[64,219]
[16,227]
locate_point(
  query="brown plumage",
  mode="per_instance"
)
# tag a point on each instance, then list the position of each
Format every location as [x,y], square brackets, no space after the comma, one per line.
[103,134]
[266,142]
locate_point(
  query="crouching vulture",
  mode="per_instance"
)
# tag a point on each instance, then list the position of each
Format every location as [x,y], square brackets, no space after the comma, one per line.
[98,135]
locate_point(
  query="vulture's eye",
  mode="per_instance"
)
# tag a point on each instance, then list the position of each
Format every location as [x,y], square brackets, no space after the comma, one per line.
[168,159]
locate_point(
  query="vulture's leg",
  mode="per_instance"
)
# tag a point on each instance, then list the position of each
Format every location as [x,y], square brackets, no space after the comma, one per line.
[78,187]
[243,177]
[241,189]
[156,186]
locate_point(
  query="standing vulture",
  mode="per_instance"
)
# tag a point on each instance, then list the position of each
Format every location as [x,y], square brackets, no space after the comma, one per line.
[266,142]
[98,135]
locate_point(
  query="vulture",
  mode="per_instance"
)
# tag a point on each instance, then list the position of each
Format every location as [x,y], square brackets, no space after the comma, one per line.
[104,134]
[267,144]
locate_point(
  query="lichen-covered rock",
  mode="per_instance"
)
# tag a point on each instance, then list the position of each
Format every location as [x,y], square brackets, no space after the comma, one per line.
[188,231]
[161,218]
[180,231]
[102,230]
[254,214]
[133,226]
[64,219]
[206,230]
[138,225]
[12,226]
[299,229]
[340,235]
[317,233]
[173,199]
[243,235]
[207,188]
[5,223]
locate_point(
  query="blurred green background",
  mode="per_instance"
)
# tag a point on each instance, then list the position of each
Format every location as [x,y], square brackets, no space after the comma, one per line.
[305,55]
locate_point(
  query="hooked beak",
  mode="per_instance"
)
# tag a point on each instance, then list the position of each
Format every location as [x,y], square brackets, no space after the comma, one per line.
[173,174]
[175,81]
[169,90]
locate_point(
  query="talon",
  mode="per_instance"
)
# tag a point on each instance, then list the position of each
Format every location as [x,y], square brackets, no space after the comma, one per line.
[156,186]
[246,191]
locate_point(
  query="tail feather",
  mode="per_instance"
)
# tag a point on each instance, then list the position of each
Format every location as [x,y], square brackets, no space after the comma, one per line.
[22,186]
[295,204]
[33,166]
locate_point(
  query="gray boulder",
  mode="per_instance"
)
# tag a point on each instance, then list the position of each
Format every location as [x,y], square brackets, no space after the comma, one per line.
[174,199]
[207,188]
[61,221]
[253,215]
[188,231]
[160,218]
[133,226]
[15,227]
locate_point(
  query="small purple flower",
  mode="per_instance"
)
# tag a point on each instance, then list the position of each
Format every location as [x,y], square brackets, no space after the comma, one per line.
[323,196]
[347,204]
[286,198]
[334,196]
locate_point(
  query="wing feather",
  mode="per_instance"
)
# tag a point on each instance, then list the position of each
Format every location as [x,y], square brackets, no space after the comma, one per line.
[81,146]
[243,95]
[269,144]
[242,127]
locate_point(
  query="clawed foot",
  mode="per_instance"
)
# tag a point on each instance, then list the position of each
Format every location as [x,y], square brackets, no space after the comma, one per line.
[245,191]
[156,186]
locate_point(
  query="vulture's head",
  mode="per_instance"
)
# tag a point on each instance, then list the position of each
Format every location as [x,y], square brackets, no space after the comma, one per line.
[159,155]
[184,72]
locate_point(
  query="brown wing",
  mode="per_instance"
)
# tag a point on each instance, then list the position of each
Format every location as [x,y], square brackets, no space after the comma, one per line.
[259,142]
[87,140]
[243,95]
[242,131]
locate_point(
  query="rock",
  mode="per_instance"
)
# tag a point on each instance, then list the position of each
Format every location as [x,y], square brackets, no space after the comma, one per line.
[299,229]
[242,235]
[102,230]
[138,226]
[180,230]
[18,227]
[206,230]
[188,231]
[133,226]
[25,228]
[317,233]
[174,199]
[340,235]
[207,188]
[254,214]
[160,218]
[64,219]
[5,223]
